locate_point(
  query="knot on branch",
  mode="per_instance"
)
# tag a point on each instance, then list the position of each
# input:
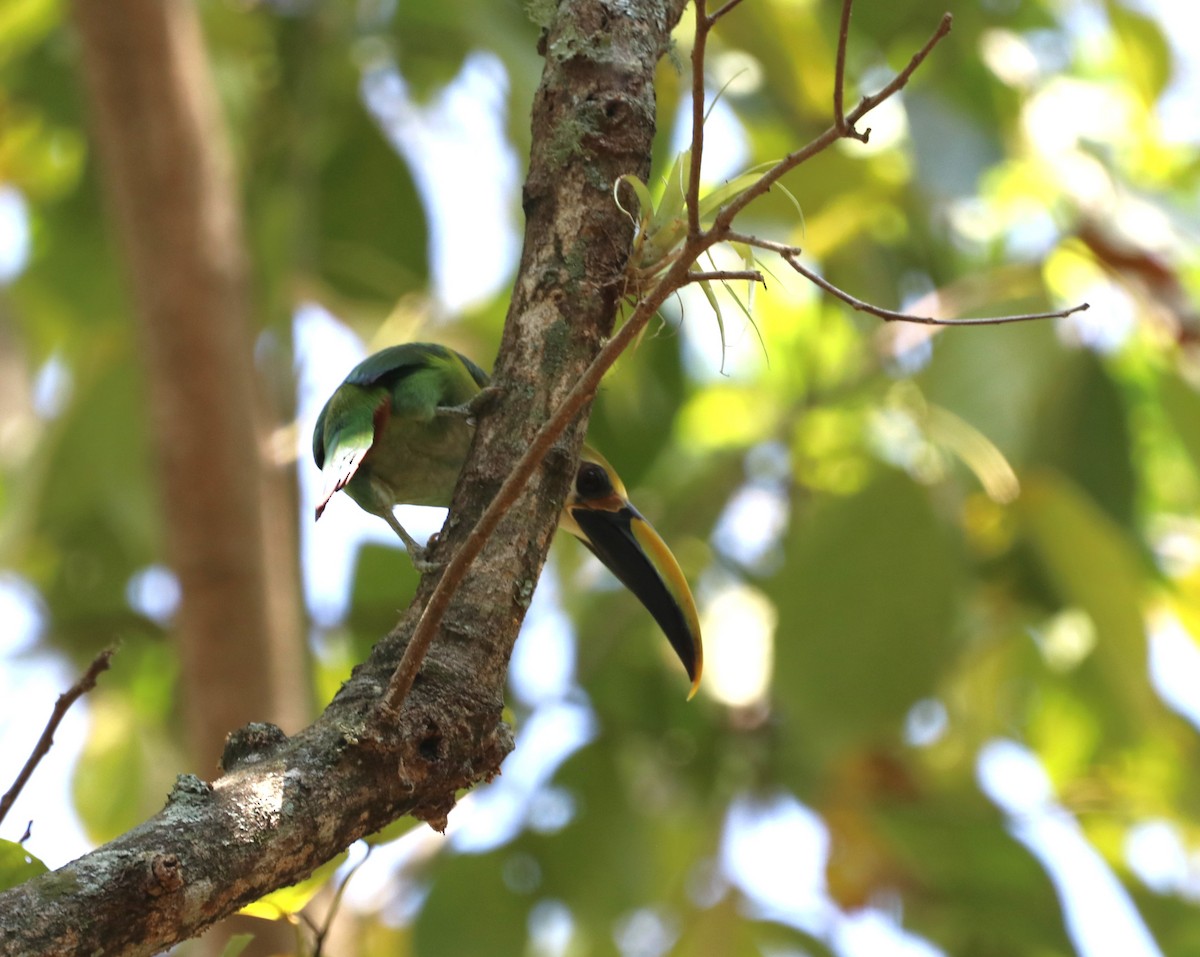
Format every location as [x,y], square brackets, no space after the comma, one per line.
[189,788]
[165,875]
[249,745]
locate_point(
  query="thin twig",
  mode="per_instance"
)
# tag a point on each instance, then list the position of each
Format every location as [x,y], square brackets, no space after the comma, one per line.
[722,11]
[320,934]
[839,76]
[699,45]
[790,255]
[890,315]
[726,275]
[768,179]
[46,741]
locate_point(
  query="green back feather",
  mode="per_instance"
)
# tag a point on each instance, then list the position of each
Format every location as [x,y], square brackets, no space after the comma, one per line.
[454,380]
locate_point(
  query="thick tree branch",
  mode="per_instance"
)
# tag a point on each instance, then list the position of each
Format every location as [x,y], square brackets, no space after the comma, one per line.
[287,805]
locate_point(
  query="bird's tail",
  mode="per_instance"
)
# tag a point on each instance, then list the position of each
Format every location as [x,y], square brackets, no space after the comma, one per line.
[339,469]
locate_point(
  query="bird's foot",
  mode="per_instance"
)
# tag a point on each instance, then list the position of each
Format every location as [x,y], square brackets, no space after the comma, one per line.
[478,405]
[416,551]
[421,563]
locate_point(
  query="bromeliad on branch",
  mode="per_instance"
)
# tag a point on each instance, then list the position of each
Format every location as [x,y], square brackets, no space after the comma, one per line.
[396,432]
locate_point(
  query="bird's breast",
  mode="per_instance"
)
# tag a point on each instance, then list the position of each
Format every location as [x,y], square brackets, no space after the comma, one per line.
[417,463]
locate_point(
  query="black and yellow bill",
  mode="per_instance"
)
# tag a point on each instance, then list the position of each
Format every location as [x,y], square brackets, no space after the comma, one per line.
[599,513]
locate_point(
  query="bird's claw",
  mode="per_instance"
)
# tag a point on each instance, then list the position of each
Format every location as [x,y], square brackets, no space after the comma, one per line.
[478,405]
[420,562]
[425,565]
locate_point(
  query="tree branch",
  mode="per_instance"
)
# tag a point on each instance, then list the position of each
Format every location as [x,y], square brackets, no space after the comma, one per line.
[403,740]
[790,255]
[726,275]
[699,45]
[890,315]
[841,128]
[81,687]
[839,76]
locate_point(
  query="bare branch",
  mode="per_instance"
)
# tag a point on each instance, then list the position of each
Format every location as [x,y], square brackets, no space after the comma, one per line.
[46,741]
[841,128]
[790,255]
[890,315]
[700,44]
[726,275]
[839,77]
[722,11]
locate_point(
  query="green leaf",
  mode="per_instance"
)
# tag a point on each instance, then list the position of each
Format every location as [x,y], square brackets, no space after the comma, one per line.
[392,832]
[470,910]
[236,944]
[711,295]
[291,900]
[642,191]
[1148,57]
[384,582]
[373,243]
[1182,406]
[17,865]
[867,597]
[1002,380]
[1084,431]
[674,193]
[1094,567]
[976,874]
[126,767]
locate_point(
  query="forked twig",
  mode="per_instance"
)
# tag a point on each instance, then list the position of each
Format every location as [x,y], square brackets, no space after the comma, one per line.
[890,315]
[790,255]
[839,76]
[81,687]
[721,11]
[668,281]
[841,128]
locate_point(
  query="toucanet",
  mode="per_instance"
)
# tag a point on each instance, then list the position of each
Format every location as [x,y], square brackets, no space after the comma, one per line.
[396,432]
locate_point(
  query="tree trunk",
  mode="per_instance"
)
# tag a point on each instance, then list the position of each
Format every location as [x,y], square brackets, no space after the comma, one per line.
[230,514]
[285,807]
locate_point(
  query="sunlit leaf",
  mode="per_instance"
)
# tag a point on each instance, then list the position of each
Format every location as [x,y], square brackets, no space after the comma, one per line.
[1095,568]
[291,900]
[1147,54]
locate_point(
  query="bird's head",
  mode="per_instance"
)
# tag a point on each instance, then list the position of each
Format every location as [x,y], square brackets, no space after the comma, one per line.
[599,513]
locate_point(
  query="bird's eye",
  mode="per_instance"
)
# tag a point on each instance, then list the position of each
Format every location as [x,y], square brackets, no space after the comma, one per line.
[592,482]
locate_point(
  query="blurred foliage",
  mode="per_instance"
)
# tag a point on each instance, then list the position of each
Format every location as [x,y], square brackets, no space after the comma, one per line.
[908,545]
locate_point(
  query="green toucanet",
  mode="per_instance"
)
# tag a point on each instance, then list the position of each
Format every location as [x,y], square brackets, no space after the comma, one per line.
[396,432]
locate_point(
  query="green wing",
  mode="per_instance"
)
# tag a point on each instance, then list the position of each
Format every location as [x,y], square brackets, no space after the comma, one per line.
[388,369]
